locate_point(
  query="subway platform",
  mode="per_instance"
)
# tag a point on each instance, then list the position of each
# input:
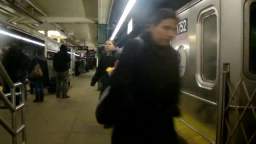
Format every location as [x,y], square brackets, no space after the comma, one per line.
[72,120]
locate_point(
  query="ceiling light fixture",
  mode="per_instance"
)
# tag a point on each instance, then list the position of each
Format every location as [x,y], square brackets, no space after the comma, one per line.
[21,38]
[127,10]
[130,27]
[51,50]
[42,32]
[56,34]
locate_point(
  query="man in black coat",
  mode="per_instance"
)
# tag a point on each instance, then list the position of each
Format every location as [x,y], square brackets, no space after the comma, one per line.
[61,64]
[146,85]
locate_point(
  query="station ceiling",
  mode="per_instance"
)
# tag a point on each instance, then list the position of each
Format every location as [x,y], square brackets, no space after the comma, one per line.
[140,12]
[144,6]
[77,19]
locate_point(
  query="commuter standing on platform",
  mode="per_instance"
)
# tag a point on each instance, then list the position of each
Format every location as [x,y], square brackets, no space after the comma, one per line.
[146,85]
[61,64]
[106,62]
[37,78]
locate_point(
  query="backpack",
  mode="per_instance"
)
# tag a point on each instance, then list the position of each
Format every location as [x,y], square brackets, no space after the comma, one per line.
[37,71]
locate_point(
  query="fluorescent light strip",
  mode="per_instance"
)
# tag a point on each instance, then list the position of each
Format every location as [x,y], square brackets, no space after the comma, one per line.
[52,51]
[68,52]
[130,27]
[73,54]
[21,38]
[127,10]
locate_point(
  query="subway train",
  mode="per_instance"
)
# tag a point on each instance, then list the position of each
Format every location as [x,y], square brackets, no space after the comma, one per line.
[216,40]
[31,46]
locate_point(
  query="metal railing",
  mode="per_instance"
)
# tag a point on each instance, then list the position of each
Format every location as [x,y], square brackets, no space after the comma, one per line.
[237,112]
[14,106]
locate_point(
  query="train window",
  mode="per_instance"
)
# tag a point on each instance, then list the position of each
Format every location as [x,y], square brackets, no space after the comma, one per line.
[209,47]
[252,41]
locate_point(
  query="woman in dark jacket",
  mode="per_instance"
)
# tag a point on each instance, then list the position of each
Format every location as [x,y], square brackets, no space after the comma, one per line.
[107,60]
[37,78]
[146,85]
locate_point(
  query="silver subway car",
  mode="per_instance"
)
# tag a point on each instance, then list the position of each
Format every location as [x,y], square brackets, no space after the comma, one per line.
[217,45]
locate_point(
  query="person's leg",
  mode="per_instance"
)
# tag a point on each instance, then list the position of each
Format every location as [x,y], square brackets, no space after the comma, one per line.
[61,85]
[25,90]
[37,91]
[31,88]
[58,85]
[65,85]
[41,91]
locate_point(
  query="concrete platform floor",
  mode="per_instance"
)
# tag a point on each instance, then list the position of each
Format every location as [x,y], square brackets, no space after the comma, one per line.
[72,121]
[67,121]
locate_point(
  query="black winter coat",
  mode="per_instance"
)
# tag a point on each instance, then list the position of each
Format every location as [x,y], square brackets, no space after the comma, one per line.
[101,74]
[146,84]
[61,61]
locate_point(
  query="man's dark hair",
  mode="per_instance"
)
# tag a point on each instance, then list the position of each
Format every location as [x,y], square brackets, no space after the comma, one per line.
[162,14]
[63,48]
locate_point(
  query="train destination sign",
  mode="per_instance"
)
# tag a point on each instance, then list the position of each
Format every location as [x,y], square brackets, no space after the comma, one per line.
[182,26]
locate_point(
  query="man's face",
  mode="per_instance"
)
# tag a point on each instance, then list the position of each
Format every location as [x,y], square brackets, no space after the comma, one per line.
[163,32]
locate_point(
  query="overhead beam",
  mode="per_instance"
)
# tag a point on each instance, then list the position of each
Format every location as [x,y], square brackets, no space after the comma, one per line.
[36,8]
[62,20]
[104,7]
[18,7]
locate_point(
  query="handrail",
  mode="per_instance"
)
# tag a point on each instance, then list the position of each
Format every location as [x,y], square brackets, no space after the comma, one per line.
[5,76]
[12,106]
[7,127]
[10,130]
[19,107]
[20,129]
[7,102]
[17,84]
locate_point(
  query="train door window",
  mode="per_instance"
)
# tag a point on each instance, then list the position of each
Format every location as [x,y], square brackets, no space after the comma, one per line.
[207,59]
[209,46]
[250,39]
[252,43]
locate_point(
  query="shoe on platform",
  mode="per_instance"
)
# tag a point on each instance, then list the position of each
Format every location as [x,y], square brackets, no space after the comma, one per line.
[66,97]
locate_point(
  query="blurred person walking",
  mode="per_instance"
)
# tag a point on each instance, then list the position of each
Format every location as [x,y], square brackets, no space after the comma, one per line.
[107,62]
[144,89]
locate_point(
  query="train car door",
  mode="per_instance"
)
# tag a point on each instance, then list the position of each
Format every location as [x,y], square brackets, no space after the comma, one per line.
[199,43]
[238,117]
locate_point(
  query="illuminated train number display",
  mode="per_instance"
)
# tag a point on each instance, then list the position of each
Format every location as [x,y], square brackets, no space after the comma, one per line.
[182,26]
